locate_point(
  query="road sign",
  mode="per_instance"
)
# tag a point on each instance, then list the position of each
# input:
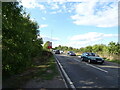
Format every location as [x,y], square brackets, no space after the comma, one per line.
[49,45]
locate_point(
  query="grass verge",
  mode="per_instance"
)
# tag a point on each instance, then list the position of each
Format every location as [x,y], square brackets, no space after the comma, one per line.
[115,61]
[45,71]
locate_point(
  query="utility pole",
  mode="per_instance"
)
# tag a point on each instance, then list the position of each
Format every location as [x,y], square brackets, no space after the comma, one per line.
[51,35]
[51,39]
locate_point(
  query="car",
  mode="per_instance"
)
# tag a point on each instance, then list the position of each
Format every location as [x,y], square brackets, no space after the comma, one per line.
[71,53]
[91,58]
[57,51]
[61,51]
[54,50]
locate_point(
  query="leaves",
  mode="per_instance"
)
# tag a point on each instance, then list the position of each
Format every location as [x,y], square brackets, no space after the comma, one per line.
[18,34]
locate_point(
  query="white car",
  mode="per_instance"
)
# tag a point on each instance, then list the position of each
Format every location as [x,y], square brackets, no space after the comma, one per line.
[61,51]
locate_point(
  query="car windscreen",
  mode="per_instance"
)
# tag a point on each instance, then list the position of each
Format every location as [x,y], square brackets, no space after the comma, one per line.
[71,52]
[91,54]
[57,50]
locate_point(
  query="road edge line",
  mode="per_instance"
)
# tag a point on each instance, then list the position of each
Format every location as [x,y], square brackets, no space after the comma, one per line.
[65,75]
[62,75]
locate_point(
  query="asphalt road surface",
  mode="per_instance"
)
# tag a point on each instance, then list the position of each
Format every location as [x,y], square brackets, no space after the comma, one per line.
[84,75]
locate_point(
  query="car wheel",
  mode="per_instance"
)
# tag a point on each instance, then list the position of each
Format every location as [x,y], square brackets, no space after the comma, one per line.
[89,61]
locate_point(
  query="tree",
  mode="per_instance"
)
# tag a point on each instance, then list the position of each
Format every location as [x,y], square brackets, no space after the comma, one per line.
[46,45]
[18,32]
[99,48]
[88,49]
[113,48]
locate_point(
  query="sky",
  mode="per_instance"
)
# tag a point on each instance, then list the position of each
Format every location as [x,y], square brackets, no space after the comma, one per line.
[75,23]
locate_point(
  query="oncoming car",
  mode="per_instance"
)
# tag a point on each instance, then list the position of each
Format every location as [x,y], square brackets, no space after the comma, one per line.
[57,52]
[92,58]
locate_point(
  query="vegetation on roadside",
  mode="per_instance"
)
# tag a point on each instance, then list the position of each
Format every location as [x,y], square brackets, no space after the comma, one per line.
[19,39]
[111,51]
[46,45]
[115,61]
[47,70]
[39,71]
[23,56]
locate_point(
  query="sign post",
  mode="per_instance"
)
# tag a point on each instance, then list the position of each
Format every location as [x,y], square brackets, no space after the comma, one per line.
[49,45]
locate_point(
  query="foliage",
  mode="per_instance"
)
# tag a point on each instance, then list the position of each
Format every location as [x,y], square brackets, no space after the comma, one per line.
[114,48]
[46,45]
[19,43]
[110,50]
[99,48]
[88,49]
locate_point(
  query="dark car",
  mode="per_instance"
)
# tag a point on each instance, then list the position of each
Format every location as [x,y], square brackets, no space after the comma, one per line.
[57,51]
[71,53]
[92,58]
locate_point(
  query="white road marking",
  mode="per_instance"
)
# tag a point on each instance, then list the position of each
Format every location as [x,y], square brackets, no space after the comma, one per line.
[76,60]
[62,76]
[97,68]
[68,79]
[92,66]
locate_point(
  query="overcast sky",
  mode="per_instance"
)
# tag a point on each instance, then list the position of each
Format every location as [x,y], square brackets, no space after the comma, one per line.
[77,24]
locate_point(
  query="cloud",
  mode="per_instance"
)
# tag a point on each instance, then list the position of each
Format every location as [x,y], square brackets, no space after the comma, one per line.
[42,7]
[43,18]
[54,6]
[62,1]
[89,38]
[43,26]
[54,12]
[47,38]
[99,14]
[55,40]
[32,4]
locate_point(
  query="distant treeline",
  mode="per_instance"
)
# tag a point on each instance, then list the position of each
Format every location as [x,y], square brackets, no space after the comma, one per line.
[110,51]
[19,39]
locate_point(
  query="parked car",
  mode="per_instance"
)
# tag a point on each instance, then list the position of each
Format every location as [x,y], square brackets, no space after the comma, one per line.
[92,58]
[57,51]
[71,53]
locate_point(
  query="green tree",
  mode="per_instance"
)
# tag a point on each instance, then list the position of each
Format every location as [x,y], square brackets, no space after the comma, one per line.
[88,49]
[46,45]
[98,48]
[18,34]
[113,48]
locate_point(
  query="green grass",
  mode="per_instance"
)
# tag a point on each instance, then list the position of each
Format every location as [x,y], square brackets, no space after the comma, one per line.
[46,71]
[115,61]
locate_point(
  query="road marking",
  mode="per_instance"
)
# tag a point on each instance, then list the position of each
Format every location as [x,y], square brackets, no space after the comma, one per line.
[62,76]
[97,68]
[92,66]
[68,79]
[76,60]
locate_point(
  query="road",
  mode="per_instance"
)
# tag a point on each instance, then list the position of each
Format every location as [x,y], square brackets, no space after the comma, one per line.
[84,75]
